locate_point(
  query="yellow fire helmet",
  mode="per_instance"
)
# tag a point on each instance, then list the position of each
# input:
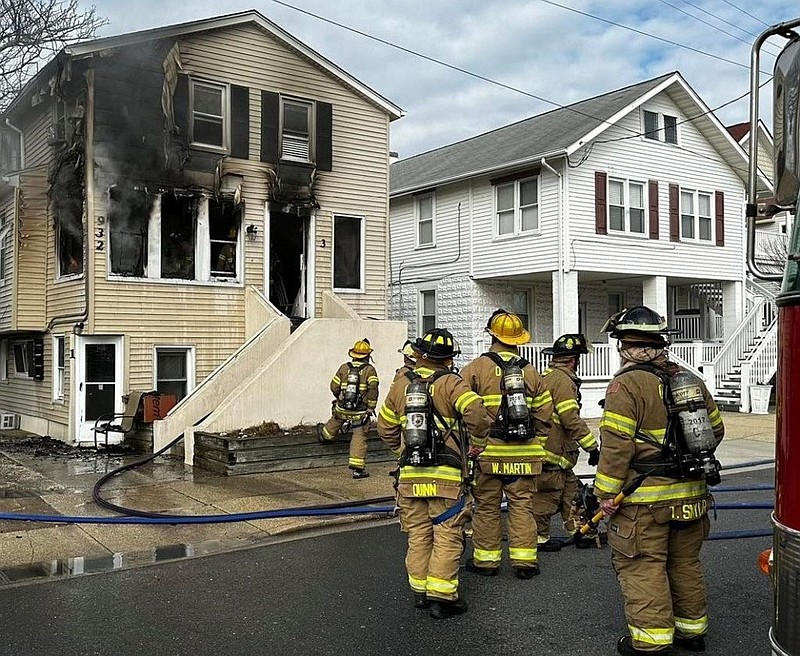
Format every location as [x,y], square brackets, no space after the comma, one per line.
[408,350]
[361,349]
[507,328]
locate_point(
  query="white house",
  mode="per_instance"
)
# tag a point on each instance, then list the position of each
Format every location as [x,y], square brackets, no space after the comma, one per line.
[632,197]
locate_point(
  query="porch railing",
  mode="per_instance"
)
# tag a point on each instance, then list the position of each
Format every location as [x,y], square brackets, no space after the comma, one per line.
[761,365]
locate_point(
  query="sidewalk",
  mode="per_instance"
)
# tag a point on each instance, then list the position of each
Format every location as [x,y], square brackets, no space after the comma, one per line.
[59,481]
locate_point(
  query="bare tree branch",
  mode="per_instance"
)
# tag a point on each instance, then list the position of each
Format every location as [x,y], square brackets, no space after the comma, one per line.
[32,31]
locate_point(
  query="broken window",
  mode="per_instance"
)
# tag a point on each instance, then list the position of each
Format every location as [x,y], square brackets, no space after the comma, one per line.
[178,218]
[223,226]
[66,204]
[128,218]
[347,252]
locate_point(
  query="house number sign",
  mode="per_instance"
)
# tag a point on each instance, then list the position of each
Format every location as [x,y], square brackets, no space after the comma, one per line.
[99,234]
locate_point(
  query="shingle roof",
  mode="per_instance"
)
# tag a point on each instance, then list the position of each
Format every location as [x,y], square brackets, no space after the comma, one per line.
[739,130]
[527,140]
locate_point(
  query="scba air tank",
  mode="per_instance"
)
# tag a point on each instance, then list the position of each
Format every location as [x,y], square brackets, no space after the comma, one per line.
[416,433]
[351,389]
[514,384]
[690,406]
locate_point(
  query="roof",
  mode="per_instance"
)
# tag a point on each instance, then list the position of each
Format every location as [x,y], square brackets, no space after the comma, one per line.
[559,132]
[87,48]
[739,131]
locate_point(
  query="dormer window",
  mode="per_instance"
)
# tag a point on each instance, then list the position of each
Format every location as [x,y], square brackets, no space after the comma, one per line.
[660,127]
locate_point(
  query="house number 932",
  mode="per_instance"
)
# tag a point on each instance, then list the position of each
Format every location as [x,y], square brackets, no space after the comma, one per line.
[99,234]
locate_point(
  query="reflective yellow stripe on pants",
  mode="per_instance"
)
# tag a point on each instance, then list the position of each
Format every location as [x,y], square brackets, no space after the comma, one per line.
[687,627]
[651,636]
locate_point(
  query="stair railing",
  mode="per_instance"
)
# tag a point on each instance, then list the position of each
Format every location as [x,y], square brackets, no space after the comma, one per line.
[760,366]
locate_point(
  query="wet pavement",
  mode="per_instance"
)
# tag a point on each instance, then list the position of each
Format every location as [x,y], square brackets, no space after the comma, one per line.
[39,476]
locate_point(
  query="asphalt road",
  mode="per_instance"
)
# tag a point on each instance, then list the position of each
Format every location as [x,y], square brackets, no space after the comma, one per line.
[345,593]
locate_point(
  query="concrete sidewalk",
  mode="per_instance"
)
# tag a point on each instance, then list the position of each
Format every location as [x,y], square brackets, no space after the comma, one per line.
[59,481]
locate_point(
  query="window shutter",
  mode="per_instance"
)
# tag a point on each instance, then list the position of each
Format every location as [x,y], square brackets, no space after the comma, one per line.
[652,194]
[180,106]
[674,217]
[36,362]
[600,209]
[270,119]
[719,217]
[240,122]
[324,137]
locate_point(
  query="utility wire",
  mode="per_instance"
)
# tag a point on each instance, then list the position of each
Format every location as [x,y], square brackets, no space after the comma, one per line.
[722,20]
[746,13]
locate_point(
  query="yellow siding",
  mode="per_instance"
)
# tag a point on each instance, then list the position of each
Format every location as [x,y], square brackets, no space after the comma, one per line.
[38,151]
[32,251]
[8,209]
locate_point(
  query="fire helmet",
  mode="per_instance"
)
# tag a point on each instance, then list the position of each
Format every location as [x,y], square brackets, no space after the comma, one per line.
[361,349]
[639,325]
[408,350]
[437,344]
[571,344]
[507,328]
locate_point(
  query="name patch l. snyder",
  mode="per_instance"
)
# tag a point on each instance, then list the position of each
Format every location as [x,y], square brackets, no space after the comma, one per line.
[513,468]
[688,512]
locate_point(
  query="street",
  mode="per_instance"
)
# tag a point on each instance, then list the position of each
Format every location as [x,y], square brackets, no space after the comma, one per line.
[346,593]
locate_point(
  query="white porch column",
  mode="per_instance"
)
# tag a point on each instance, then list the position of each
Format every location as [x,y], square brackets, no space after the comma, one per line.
[565,302]
[732,306]
[654,294]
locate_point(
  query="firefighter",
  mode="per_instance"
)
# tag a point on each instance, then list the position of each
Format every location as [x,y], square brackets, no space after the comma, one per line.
[355,388]
[558,485]
[515,396]
[656,532]
[421,422]
[409,360]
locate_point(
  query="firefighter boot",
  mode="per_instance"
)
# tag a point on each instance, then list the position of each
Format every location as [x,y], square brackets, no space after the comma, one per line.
[320,437]
[483,571]
[695,643]
[526,573]
[441,610]
[360,473]
[550,545]
[626,648]
[421,600]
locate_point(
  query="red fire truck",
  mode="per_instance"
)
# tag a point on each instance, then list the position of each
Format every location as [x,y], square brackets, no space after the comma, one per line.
[785,631]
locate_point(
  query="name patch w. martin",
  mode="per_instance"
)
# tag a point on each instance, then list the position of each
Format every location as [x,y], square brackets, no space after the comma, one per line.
[513,469]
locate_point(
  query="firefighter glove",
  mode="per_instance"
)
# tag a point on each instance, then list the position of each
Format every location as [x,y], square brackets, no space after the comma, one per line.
[594,457]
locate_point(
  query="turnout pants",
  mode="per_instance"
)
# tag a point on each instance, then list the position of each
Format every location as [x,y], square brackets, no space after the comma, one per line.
[487,522]
[658,568]
[358,440]
[434,550]
[556,493]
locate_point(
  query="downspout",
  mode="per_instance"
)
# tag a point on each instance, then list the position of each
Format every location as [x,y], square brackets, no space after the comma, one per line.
[21,142]
[561,235]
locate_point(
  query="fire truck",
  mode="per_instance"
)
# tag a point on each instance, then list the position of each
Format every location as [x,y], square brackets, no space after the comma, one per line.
[785,631]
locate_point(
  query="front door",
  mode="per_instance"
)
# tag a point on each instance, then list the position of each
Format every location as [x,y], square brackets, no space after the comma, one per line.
[288,236]
[98,368]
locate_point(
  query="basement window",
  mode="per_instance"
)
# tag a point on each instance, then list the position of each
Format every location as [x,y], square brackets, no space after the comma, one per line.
[174,371]
[128,217]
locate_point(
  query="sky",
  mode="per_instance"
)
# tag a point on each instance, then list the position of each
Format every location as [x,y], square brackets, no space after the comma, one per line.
[518,58]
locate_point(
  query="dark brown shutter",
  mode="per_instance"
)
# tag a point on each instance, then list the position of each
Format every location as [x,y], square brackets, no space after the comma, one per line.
[270,118]
[674,214]
[652,194]
[719,217]
[180,106]
[600,209]
[240,122]
[324,137]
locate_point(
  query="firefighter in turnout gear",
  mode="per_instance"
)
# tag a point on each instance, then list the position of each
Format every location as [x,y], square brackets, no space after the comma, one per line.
[409,360]
[653,426]
[424,421]
[558,486]
[510,463]
[355,388]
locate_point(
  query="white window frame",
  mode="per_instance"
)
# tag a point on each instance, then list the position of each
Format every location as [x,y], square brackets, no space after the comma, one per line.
[626,206]
[310,145]
[202,250]
[3,360]
[59,369]
[421,308]
[23,344]
[362,264]
[190,355]
[225,118]
[660,134]
[518,208]
[419,219]
[695,214]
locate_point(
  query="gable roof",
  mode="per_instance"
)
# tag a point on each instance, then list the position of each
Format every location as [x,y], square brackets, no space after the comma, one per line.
[87,48]
[559,132]
[739,131]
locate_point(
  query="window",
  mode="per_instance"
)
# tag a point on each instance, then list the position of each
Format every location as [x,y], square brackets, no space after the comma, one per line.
[174,235]
[696,220]
[626,206]
[660,127]
[3,232]
[69,234]
[426,210]
[296,121]
[427,310]
[59,343]
[517,207]
[3,359]
[520,306]
[23,357]
[174,370]
[209,103]
[348,240]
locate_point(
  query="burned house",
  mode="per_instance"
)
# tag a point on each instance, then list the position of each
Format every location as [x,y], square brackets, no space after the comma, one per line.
[175,203]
